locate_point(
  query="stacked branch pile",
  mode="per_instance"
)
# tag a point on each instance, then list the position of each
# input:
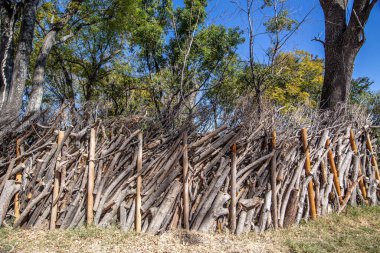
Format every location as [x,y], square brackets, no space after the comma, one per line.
[232,178]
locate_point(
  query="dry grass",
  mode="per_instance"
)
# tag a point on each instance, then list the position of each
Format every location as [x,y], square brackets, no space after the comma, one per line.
[356,231]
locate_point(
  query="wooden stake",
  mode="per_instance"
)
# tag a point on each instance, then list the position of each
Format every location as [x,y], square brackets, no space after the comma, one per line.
[233,190]
[18,181]
[333,170]
[186,205]
[356,152]
[138,185]
[91,178]
[310,189]
[274,181]
[373,156]
[57,176]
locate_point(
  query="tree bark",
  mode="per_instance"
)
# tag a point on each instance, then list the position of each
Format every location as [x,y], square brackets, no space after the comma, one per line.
[21,60]
[342,43]
[35,99]
[7,20]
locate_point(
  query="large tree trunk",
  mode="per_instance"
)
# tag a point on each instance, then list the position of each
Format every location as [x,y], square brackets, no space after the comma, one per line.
[35,99]
[7,21]
[342,43]
[21,61]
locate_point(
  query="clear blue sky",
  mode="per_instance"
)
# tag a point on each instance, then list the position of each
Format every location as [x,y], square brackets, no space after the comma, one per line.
[367,63]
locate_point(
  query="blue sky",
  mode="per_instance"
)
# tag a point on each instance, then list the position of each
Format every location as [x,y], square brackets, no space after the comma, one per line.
[367,63]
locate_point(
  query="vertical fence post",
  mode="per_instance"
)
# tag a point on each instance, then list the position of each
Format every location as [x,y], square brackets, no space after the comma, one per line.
[310,189]
[233,189]
[356,152]
[373,156]
[333,170]
[91,178]
[138,184]
[18,181]
[185,183]
[57,176]
[274,180]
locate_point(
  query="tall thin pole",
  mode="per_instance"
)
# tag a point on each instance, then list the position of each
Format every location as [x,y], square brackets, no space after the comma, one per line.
[274,180]
[185,183]
[91,178]
[57,176]
[18,181]
[138,184]
[233,190]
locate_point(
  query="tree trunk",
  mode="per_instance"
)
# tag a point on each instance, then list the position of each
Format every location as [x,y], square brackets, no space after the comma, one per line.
[21,60]
[342,43]
[35,99]
[36,95]
[7,21]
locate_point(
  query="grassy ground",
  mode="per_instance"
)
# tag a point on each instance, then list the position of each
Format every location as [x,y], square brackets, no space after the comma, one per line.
[358,230]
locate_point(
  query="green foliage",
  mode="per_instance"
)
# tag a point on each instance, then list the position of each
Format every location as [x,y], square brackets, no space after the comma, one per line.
[300,81]
[360,89]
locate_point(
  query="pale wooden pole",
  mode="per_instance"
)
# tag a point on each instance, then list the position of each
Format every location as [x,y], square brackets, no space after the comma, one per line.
[274,180]
[333,170]
[373,156]
[356,152]
[18,181]
[138,184]
[310,189]
[185,183]
[233,190]
[91,178]
[57,176]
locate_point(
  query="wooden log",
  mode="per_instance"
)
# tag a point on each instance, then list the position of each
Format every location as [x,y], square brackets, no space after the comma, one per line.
[165,207]
[6,195]
[311,193]
[209,196]
[373,156]
[17,181]
[274,182]
[91,178]
[6,176]
[186,205]
[293,182]
[138,184]
[333,170]
[215,211]
[356,152]
[232,208]
[292,208]
[265,212]
[57,176]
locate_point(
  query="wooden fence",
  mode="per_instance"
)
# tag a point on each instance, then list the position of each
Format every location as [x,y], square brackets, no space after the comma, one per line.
[227,179]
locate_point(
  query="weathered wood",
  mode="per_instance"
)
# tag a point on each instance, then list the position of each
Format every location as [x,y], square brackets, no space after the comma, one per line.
[185,192]
[6,195]
[166,206]
[232,208]
[356,152]
[373,155]
[138,184]
[91,178]
[311,193]
[333,170]
[17,181]
[273,172]
[57,175]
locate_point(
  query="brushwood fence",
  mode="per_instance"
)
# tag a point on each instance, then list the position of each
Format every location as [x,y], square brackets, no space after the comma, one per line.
[227,179]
